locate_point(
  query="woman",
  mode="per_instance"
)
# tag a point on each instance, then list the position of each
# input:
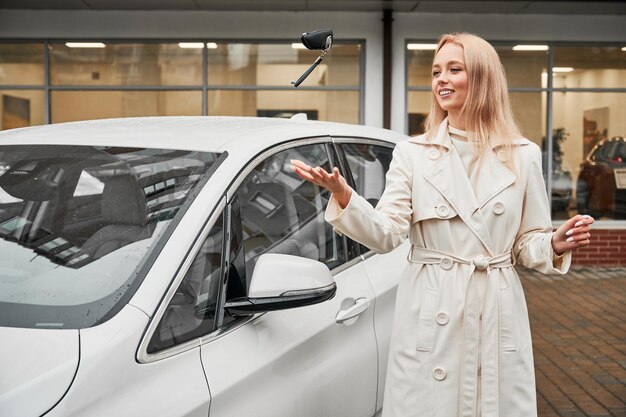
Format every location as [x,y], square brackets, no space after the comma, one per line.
[470,195]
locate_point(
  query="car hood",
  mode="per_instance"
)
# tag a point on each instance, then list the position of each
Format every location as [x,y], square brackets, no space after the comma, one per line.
[37,367]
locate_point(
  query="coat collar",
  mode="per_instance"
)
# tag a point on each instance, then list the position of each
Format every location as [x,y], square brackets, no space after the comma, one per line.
[447,174]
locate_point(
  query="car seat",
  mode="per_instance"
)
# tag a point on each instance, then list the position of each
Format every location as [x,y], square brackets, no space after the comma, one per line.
[124,210]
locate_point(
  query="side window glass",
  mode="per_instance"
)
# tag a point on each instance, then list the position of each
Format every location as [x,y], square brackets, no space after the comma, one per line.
[191,312]
[369,165]
[280,213]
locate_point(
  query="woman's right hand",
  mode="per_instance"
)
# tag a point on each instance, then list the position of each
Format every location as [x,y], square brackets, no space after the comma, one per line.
[333,182]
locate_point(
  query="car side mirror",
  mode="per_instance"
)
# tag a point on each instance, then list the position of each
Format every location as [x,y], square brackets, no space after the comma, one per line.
[281,282]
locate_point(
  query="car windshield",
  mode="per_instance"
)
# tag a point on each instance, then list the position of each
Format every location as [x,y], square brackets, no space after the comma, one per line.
[78,224]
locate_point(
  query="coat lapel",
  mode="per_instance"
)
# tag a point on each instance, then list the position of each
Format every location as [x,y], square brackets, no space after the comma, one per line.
[491,178]
[448,176]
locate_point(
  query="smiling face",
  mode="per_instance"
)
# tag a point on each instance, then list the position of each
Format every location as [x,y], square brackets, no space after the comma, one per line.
[449,82]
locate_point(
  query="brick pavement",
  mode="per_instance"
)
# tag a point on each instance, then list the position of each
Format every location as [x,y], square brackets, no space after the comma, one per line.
[578,322]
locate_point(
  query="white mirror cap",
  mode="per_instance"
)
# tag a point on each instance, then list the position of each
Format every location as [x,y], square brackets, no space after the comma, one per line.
[275,274]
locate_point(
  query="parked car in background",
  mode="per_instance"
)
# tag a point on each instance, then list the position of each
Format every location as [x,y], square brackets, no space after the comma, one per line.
[178,267]
[601,185]
[561,191]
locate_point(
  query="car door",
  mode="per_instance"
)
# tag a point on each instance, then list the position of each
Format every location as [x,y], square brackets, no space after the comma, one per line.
[297,362]
[368,162]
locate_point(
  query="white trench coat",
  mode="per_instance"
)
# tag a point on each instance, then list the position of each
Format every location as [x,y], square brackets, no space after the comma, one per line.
[461,343]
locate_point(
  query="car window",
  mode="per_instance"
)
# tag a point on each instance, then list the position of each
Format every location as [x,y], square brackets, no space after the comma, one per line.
[280,213]
[368,165]
[191,312]
[78,223]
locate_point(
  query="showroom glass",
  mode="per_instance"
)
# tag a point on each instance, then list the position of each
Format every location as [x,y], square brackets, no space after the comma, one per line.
[418,105]
[21,64]
[335,106]
[368,166]
[191,311]
[277,64]
[125,64]
[522,68]
[78,222]
[582,120]
[21,108]
[68,106]
[281,213]
[590,67]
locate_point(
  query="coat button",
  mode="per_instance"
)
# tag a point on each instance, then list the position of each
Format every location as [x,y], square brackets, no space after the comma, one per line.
[442,318]
[446,263]
[480,262]
[433,154]
[501,156]
[442,210]
[498,207]
[439,374]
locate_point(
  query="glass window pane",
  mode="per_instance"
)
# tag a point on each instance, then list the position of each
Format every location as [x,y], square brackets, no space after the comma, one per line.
[281,213]
[419,66]
[523,68]
[79,221]
[191,312]
[336,106]
[84,105]
[126,64]
[530,114]
[279,64]
[590,67]
[586,121]
[21,64]
[368,165]
[419,106]
[21,108]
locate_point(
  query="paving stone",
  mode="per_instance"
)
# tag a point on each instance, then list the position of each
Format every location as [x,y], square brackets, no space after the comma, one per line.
[579,341]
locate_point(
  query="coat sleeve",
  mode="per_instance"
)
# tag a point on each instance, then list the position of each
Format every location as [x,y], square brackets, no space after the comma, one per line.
[533,242]
[385,227]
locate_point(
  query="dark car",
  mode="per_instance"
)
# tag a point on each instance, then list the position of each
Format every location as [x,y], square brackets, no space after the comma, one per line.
[601,186]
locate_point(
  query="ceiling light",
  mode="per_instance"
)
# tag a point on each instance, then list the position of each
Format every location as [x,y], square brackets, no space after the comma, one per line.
[531,48]
[211,45]
[191,45]
[421,46]
[562,69]
[85,44]
[624,48]
[298,46]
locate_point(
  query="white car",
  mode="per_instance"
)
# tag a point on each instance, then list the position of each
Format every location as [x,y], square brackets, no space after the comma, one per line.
[178,267]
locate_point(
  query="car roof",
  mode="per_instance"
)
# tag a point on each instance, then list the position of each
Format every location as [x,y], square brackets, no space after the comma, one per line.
[201,133]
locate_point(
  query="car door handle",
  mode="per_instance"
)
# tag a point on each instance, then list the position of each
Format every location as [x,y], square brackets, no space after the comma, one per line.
[360,305]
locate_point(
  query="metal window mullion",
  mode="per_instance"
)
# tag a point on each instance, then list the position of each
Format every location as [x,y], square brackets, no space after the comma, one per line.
[47,109]
[205,81]
[590,90]
[407,87]
[549,124]
[362,69]
[125,88]
[22,87]
[281,88]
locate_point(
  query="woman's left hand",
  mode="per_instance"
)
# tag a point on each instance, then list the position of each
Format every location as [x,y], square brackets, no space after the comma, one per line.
[573,234]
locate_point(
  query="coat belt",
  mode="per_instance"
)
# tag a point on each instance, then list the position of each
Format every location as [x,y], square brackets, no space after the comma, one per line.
[473,325]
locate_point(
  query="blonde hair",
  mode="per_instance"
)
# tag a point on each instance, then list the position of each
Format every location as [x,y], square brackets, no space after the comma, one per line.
[487,108]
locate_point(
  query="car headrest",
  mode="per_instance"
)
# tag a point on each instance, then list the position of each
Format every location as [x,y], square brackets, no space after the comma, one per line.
[123,201]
